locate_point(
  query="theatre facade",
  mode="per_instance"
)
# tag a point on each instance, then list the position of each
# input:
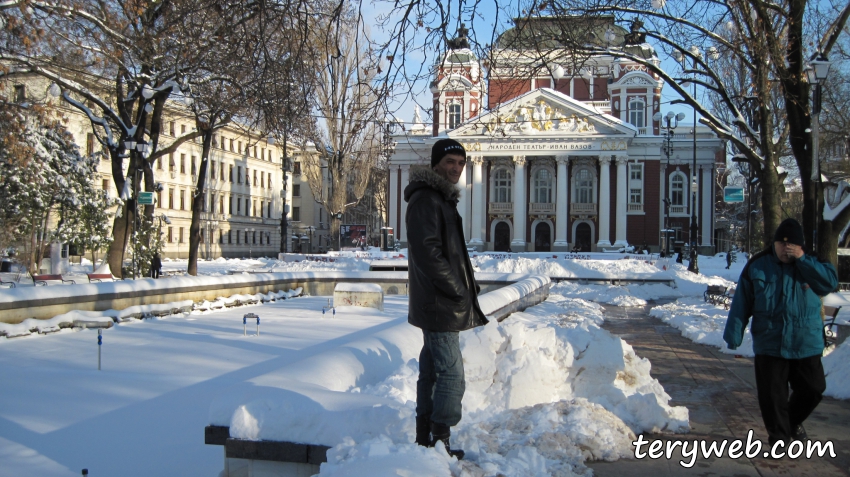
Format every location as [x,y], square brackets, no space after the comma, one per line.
[564,161]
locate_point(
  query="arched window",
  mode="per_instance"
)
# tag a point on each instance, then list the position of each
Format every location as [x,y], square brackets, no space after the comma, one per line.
[502,185]
[677,189]
[637,109]
[542,186]
[584,187]
[454,115]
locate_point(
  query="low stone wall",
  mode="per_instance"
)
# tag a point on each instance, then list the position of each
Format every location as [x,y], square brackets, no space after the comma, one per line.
[18,304]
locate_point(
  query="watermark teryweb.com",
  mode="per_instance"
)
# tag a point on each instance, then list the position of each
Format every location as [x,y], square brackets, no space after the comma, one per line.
[734,448]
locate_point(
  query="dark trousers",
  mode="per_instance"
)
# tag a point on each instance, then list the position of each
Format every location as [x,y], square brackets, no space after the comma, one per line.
[773,376]
[441,384]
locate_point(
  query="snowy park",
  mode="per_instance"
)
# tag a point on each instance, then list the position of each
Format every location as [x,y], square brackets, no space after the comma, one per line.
[548,390]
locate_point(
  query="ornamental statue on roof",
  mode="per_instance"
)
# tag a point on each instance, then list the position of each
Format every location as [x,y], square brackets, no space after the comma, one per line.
[460,41]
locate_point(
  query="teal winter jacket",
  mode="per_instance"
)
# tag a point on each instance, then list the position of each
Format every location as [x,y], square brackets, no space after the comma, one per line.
[784,303]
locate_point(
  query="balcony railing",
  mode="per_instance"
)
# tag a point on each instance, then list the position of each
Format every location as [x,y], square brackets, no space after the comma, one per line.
[501,208]
[678,209]
[582,209]
[536,208]
[635,207]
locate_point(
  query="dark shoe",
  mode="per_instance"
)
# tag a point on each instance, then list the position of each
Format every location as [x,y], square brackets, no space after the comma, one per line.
[423,431]
[799,433]
[442,432]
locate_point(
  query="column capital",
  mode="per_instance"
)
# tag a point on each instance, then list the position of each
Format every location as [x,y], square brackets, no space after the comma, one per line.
[604,160]
[621,159]
[476,160]
[563,159]
[520,160]
[404,167]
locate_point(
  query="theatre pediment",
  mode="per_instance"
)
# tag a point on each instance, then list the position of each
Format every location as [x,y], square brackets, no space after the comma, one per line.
[545,113]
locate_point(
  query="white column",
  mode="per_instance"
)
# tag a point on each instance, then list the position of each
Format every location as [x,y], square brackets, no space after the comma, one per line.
[402,226]
[561,195]
[478,210]
[604,201]
[394,205]
[463,203]
[622,202]
[520,205]
[705,216]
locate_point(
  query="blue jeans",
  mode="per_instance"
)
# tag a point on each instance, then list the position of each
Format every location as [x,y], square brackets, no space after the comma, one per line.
[441,383]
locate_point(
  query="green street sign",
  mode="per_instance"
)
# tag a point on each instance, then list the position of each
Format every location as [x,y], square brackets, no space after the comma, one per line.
[145,198]
[733,194]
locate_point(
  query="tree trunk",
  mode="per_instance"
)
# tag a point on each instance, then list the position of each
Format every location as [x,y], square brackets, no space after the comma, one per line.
[120,237]
[198,203]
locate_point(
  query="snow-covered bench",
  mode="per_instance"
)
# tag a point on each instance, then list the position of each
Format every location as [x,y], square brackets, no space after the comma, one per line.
[45,279]
[99,277]
[368,295]
[10,284]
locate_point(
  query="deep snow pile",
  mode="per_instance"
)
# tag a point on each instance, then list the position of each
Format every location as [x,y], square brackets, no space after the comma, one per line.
[546,390]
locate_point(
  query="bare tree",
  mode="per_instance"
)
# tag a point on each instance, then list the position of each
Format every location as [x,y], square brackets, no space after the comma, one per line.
[351,104]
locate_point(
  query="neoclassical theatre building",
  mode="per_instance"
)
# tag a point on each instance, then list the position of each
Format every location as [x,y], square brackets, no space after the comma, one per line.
[568,159]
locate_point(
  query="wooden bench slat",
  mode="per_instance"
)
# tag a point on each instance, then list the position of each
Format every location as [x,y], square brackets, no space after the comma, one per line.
[43,279]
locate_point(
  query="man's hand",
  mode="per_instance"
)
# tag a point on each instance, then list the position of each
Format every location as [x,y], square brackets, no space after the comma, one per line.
[793,251]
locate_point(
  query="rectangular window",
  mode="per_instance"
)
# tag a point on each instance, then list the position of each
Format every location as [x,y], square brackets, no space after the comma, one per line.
[221,204]
[454,116]
[182,200]
[239,174]
[212,170]
[159,163]
[239,206]
[296,168]
[89,144]
[171,161]
[269,211]
[269,180]
[159,198]
[182,163]
[171,198]
[182,129]
[231,144]
[263,153]
[254,208]
[222,172]
[170,234]
[635,196]
[221,236]
[171,128]
[230,205]
[262,178]
[239,147]
[255,178]
[296,214]
[194,166]
[20,93]
[180,238]
[104,184]
[296,190]
[229,236]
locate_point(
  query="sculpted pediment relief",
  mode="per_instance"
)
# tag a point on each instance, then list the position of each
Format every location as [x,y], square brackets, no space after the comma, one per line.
[539,117]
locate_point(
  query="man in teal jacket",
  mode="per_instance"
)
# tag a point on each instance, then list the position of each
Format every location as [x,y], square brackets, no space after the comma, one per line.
[781,289]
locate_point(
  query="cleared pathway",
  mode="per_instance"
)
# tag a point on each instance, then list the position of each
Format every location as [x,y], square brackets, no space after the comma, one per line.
[719,391]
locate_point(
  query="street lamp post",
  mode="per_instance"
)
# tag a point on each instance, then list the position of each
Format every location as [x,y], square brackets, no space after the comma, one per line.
[693,266]
[310,229]
[672,121]
[250,241]
[816,73]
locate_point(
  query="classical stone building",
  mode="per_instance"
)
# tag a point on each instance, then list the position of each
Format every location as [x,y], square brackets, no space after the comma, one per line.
[564,158]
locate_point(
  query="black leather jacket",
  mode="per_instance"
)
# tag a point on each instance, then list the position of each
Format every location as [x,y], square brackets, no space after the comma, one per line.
[443,292]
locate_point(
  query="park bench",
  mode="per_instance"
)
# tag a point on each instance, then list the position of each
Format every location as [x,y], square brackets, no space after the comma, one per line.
[830,329]
[99,277]
[43,279]
[719,295]
[4,283]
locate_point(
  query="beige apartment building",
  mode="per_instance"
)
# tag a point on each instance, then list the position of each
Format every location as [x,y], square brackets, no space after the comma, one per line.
[245,193]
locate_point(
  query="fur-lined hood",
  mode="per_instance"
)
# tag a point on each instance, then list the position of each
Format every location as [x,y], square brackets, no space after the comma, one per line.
[424,176]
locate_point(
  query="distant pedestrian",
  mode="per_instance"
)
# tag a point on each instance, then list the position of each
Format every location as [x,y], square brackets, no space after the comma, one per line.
[443,291]
[156,266]
[781,289]
[728,260]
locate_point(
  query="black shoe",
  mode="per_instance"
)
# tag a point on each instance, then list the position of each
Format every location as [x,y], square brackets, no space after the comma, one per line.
[423,431]
[442,432]
[799,433]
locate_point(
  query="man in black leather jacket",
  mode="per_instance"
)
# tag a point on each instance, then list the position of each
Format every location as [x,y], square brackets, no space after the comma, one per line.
[443,292]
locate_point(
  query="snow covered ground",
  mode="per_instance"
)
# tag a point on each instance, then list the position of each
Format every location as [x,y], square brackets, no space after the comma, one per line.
[547,389]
